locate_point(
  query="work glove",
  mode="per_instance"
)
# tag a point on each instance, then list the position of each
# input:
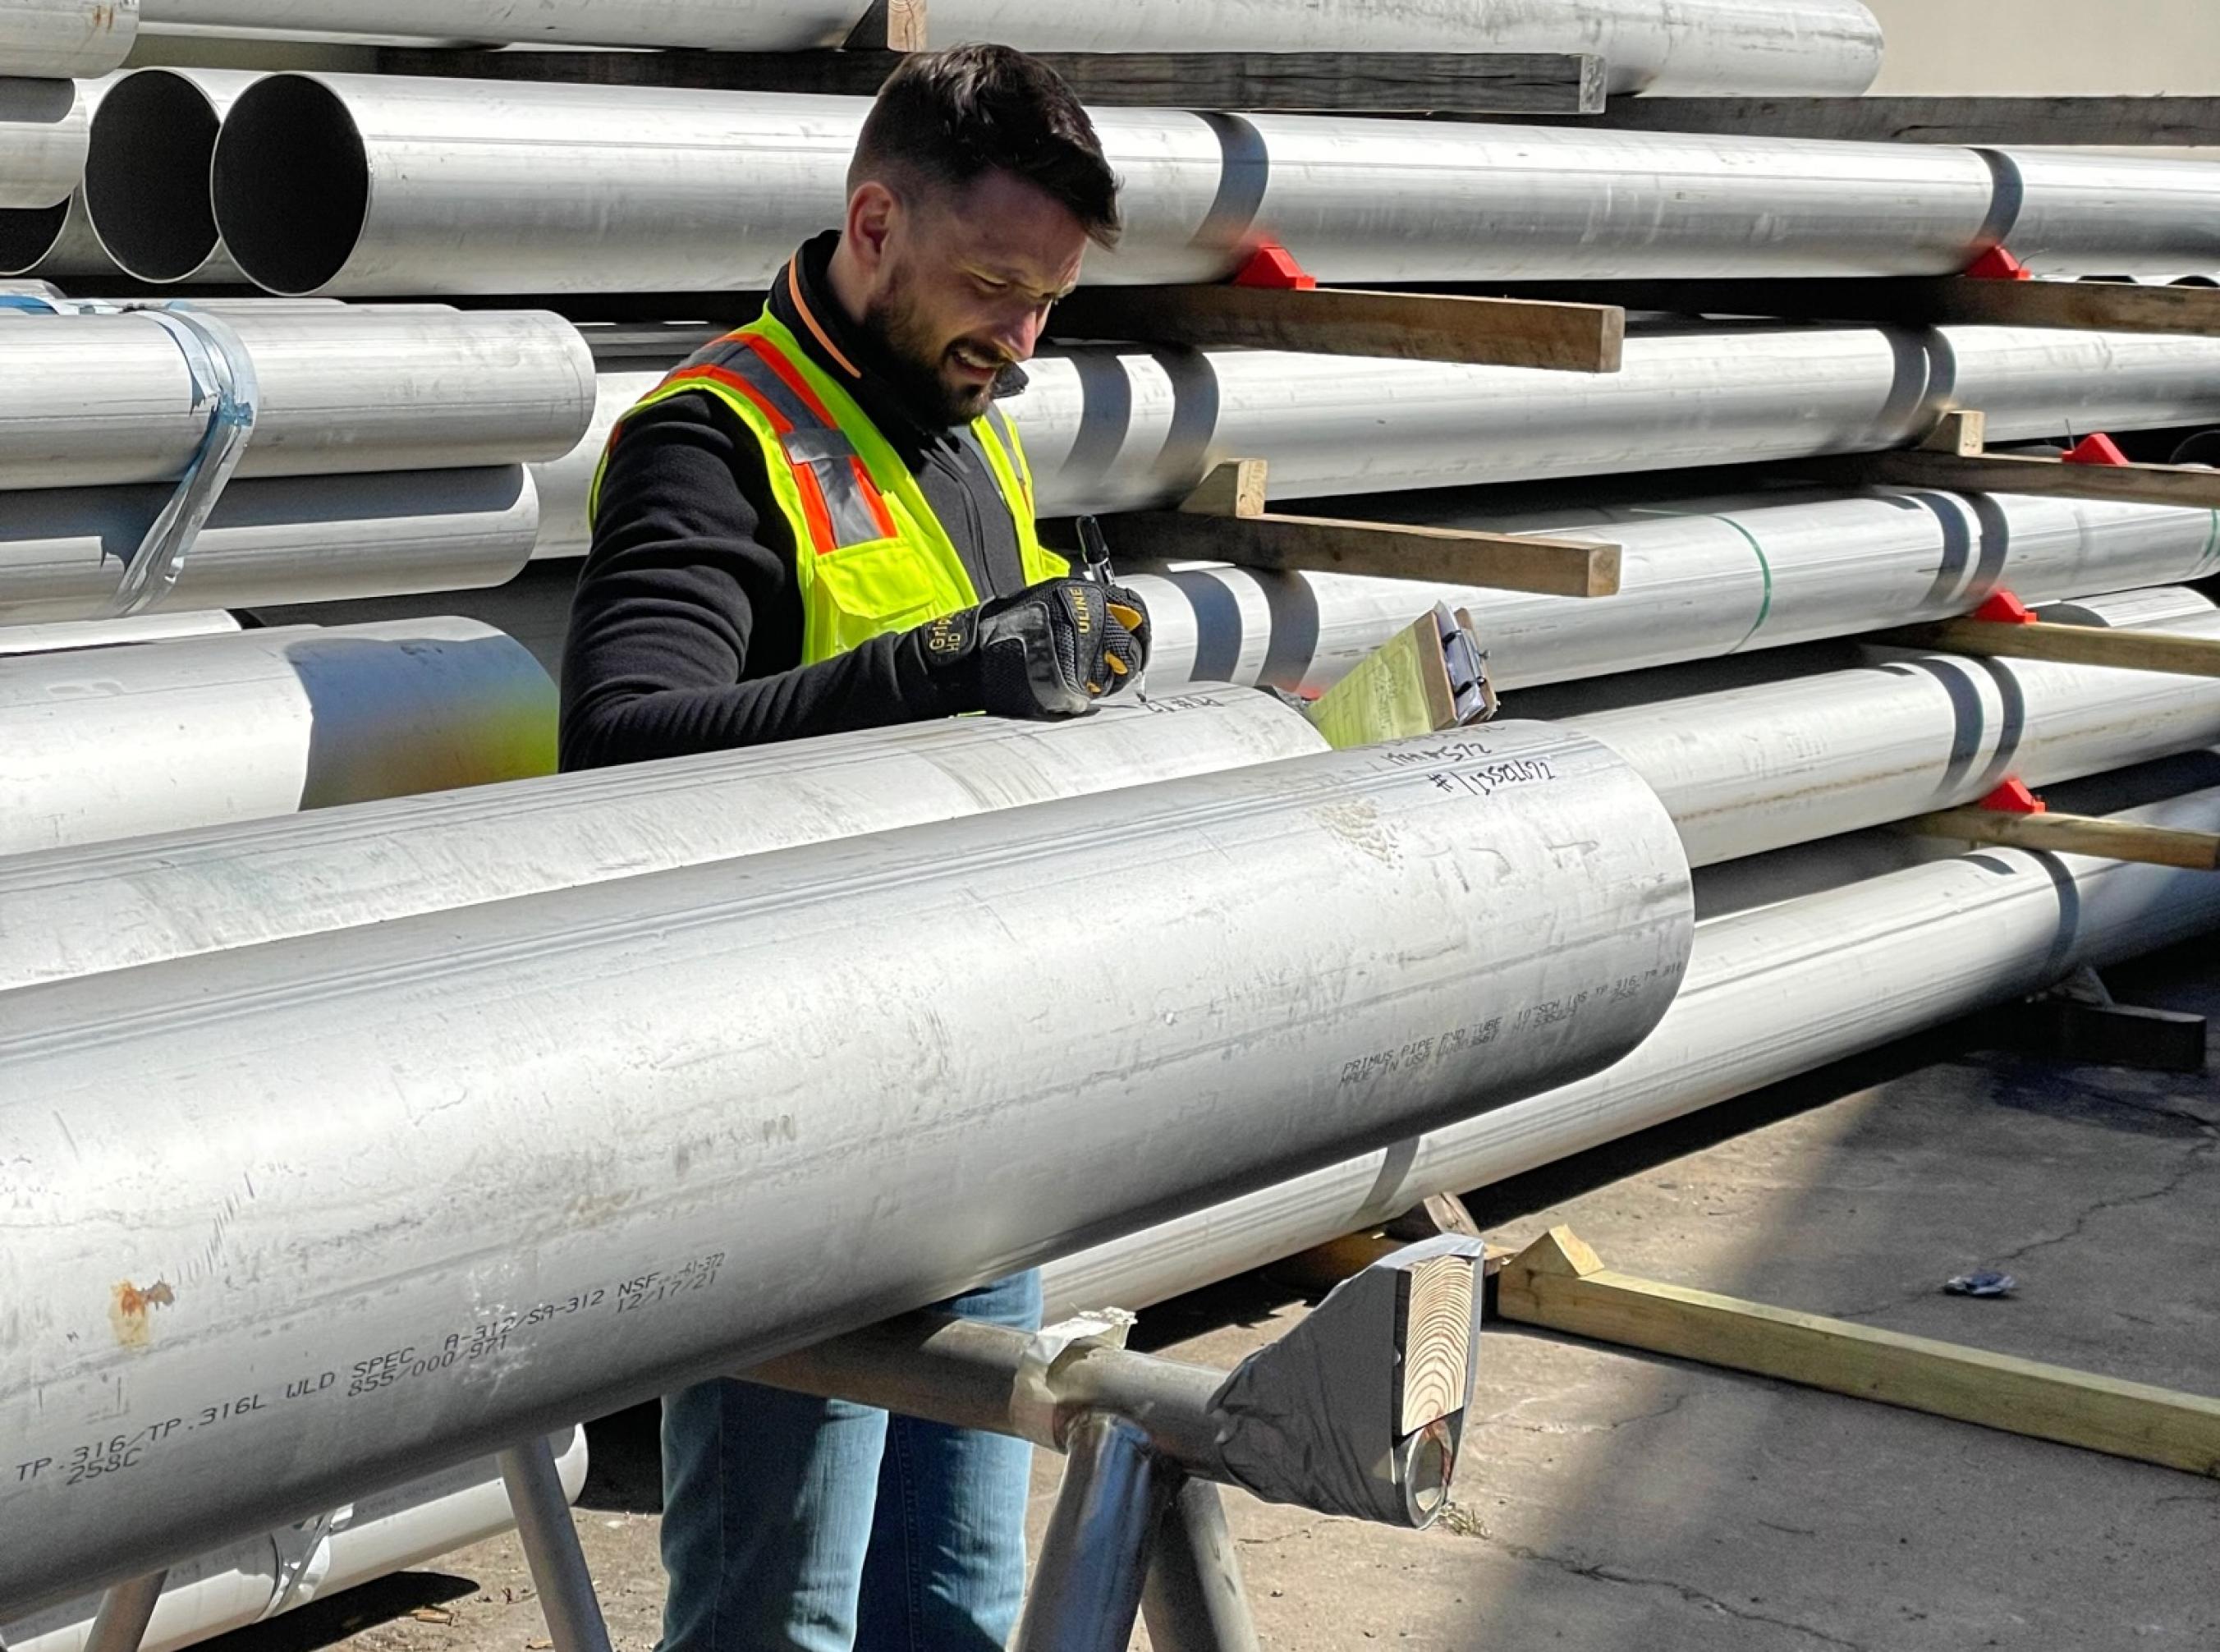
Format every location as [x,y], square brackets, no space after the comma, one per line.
[1051,651]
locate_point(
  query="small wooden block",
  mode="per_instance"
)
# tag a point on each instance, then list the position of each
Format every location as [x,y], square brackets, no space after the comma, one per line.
[2075,834]
[1433,1337]
[1236,487]
[1961,433]
[1581,338]
[2125,650]
[889,25]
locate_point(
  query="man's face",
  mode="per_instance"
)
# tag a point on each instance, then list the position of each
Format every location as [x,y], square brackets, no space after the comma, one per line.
[961,283]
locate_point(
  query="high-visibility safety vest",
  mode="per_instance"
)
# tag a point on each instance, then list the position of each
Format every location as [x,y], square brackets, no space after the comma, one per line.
[869,556]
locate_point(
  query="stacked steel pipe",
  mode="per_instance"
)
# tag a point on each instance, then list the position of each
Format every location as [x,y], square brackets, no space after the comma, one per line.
[1373,974]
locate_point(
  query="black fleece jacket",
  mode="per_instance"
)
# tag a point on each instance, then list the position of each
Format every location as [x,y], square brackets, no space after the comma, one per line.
[686,626]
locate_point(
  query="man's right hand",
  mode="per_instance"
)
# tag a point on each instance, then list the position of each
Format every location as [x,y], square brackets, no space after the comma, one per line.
[1050,650]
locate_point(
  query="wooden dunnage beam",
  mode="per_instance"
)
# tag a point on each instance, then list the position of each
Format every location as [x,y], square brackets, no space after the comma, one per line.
[2090,306]
[1225,519]
[2193,487]
[1577,337]
[2074,834]
[2064,645]
[1377,83]
[1559,1283]
[2171,121]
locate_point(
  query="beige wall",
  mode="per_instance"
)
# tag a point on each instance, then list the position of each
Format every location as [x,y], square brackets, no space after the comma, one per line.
[2058,47]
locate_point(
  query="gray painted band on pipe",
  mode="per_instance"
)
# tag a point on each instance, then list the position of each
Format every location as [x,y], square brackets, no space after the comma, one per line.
[112,742]
[1770,992]
[283,540]
[102,401]
[652,1101]
[1684,46]
[340,184]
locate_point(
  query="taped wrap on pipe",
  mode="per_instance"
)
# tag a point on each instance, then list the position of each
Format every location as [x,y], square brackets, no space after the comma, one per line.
[341,1549]
[1771,992]
[283,540]
[111,742]
[78,911]
[1342,948]
[1684,46]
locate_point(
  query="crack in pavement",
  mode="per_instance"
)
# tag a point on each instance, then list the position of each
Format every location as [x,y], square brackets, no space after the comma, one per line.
[2190,1166]
[2192,1162]
[1599,1573]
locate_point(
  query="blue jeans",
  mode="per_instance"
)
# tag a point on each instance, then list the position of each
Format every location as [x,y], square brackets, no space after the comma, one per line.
[794,1524]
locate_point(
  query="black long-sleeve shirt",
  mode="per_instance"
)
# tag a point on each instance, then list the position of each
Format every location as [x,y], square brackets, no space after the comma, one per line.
[686,626]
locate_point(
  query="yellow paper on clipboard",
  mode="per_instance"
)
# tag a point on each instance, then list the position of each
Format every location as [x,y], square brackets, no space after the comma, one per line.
[1425,678]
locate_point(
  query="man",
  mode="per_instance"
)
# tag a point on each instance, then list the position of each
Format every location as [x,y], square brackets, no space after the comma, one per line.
[823,522]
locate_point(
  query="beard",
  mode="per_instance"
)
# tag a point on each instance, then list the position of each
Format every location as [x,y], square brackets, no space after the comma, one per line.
[921,359]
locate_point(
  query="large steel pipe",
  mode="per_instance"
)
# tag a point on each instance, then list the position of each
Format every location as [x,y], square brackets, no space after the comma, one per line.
[1685,46]
[1745,770]
[107,633]
[694,1119]
[111,742]
[360,184]
[103,401]
[1108,429]
[285,539]
[44,128]
[341,1549]
[147,173]
[57,241]
[78,911]
[65,39]
[1700,578]
[1770,992]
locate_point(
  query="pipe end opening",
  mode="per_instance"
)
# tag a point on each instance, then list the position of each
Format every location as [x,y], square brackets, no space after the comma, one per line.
[291,183]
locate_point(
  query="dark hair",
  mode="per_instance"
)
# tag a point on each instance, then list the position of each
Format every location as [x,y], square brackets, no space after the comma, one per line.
[944,118]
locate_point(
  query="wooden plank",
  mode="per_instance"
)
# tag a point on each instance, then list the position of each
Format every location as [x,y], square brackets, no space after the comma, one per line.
[2097,306]
[2125,650]
[1561,1284]
[1327,545]
[1576,337]
[2194,487]
[2133,121]
[1433,1337]
[1378,83]
[2074,834]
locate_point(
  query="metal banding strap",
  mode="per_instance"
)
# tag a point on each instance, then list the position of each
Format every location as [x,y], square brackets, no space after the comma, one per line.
[224,382]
